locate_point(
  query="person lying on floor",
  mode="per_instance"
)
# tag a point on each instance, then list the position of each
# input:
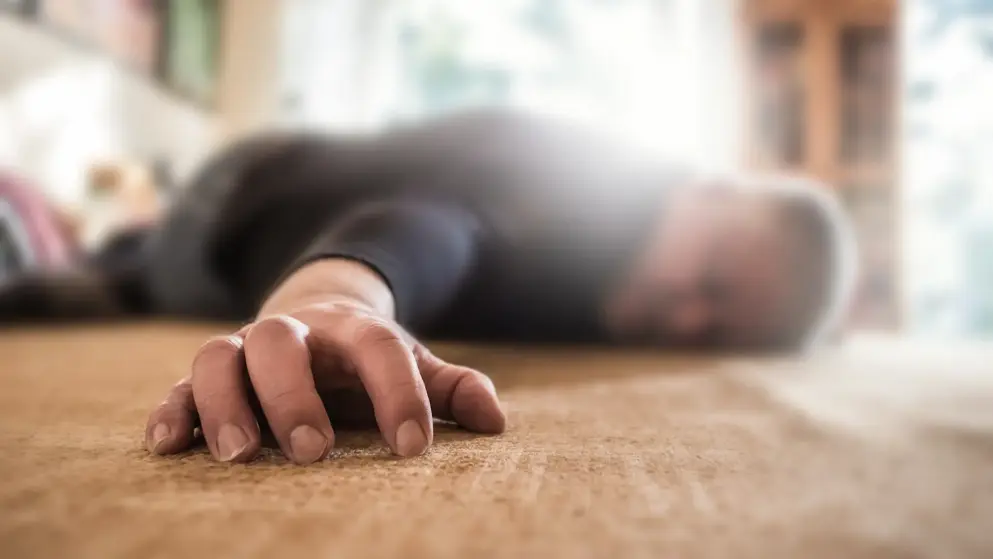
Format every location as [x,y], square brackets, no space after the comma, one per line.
[340,253]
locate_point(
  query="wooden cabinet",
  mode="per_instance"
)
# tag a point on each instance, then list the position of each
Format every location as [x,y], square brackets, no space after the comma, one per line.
[822,99]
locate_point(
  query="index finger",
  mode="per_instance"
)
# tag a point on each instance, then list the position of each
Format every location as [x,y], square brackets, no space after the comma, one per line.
[279,367]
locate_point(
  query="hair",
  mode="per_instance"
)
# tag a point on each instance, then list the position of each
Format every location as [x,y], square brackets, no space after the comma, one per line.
[823,249]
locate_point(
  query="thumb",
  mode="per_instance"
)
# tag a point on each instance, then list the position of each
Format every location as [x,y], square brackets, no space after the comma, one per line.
[460,394]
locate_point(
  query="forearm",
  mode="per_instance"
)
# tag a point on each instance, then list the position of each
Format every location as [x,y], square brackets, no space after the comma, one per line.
[330,280]
[403,258]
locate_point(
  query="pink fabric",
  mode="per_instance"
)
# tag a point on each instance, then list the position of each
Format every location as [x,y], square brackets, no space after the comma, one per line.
[50,245]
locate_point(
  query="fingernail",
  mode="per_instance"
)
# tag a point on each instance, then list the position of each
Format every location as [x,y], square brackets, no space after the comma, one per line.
[231,441]
[410,439]
[159,435]
[307,445]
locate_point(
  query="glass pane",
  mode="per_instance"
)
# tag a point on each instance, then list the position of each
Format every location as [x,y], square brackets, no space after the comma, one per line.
[867,70]
[872,209]
[780,94]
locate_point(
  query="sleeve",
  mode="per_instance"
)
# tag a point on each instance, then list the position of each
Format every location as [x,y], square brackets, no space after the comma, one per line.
[424,250]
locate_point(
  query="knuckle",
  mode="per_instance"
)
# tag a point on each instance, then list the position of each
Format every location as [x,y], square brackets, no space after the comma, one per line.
[470,379]
[346,306]
[180,396]
[424,357]
[403,390]
[277,328]
[177,392]
[219,399]
[421,352]
[186,384]
[220,344]
[163,413]
[168,410]
[286,399]
[375,331]
[215,352]
[485,381]
[157,414]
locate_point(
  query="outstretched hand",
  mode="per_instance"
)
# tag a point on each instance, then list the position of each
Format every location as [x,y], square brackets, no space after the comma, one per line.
[289,371]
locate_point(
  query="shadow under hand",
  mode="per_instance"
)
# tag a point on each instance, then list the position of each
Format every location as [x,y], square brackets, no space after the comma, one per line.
[356,433]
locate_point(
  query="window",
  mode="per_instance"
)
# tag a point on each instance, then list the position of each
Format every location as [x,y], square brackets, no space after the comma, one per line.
[947,167]
[657,72]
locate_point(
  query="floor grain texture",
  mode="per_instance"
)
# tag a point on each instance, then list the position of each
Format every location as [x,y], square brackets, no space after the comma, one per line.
[607,455]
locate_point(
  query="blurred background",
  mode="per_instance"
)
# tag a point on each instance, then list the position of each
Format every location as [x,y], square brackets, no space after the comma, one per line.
[106,106]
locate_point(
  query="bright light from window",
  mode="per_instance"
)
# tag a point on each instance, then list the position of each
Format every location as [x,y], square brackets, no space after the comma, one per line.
[654,72]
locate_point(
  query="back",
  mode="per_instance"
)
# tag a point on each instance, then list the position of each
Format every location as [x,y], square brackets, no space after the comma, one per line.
[563,210]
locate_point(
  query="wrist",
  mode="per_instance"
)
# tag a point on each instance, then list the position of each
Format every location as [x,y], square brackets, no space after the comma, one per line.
[332,280]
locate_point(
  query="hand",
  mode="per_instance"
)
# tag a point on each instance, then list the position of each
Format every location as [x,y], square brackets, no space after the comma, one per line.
[289,370]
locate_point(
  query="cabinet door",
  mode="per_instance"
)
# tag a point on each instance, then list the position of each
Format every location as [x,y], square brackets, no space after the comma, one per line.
[823,102]
[865,153]
[872,207]
[779,95]
[867,96]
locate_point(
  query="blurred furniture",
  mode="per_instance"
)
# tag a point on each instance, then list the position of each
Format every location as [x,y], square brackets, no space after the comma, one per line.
[128,30]
[31,231]
[15,250]
[822,100]
[26,8]
[176,43]
[122,196]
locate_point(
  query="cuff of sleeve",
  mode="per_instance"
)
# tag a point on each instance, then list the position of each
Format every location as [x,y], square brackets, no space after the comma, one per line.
[388,267]
[423,251]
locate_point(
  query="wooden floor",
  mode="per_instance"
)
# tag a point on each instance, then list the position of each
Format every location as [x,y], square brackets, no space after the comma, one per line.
[875,450]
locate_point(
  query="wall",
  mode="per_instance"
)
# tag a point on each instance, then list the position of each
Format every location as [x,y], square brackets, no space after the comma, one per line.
[62,107]
[249,77]
[659,72]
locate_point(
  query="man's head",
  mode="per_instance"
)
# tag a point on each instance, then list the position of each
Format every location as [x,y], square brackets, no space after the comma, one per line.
[749,263]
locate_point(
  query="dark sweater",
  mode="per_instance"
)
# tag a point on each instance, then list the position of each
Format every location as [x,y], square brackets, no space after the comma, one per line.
[490,224]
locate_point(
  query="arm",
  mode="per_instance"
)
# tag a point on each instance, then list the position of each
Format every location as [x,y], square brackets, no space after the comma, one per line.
[330,328]
[332,280]
[420,252]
